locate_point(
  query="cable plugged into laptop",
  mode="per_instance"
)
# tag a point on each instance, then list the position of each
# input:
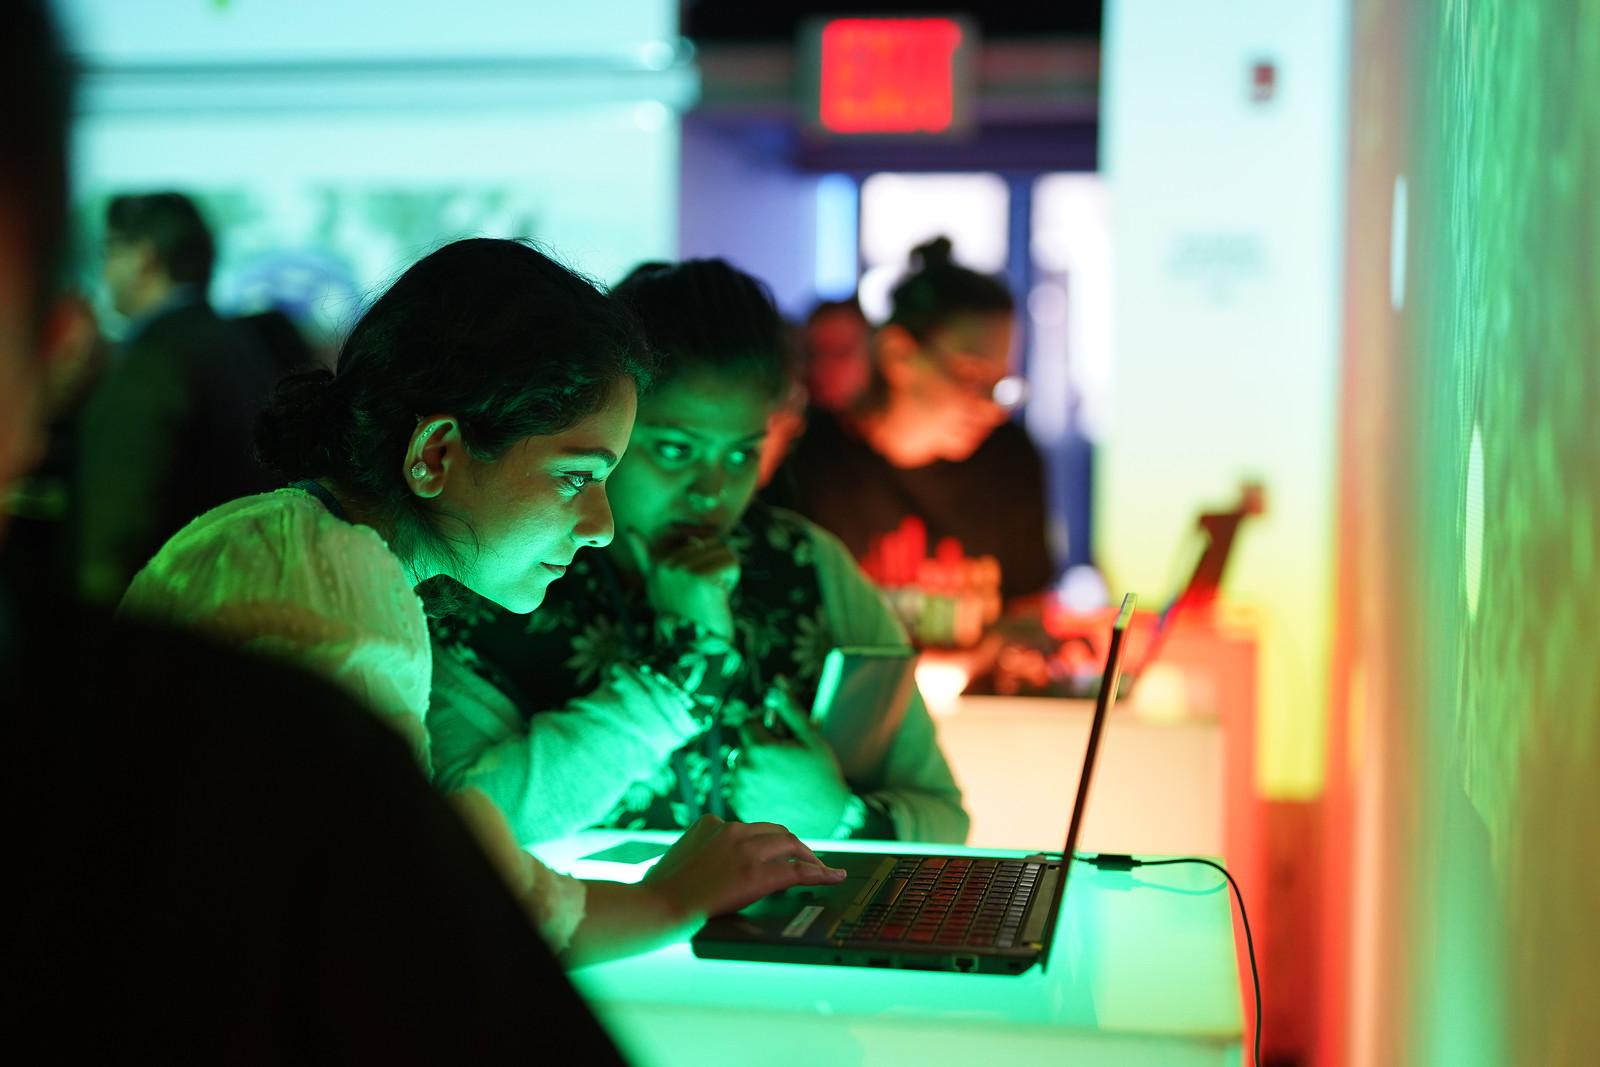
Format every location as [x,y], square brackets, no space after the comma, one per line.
[1121,861]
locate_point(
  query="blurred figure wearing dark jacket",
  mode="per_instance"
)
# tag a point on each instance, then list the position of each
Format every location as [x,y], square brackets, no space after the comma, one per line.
[168,434]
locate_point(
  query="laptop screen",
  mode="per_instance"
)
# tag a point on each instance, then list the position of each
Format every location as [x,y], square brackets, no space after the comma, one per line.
[1102,706]
[1109,681]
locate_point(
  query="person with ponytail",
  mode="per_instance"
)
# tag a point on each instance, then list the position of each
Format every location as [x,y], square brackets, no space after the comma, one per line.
[926,480]
[475,413]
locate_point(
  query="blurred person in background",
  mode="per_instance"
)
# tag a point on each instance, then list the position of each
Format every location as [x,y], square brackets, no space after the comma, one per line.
[835,365]
[838,355]
[639,695]
[181,898]
[167,433]
[925,479]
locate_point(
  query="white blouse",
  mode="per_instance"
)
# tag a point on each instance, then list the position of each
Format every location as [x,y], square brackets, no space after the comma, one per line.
[279,575]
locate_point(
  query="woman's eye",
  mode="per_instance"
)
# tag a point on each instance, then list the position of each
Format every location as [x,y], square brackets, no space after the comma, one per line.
[742,458]
[672,450]
[576,480]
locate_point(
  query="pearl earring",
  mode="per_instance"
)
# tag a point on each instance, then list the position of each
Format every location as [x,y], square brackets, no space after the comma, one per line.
[419,470]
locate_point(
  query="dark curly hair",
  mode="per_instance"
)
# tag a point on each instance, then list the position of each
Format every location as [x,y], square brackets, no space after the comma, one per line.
[706,314]
[494,332]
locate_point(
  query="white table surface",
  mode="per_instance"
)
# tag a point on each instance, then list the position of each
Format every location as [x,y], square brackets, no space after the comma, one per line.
[1158,785]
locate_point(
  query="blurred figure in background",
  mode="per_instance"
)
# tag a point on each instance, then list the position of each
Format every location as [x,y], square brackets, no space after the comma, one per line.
[925,479]
[838,355]
[835,347]
[168,433]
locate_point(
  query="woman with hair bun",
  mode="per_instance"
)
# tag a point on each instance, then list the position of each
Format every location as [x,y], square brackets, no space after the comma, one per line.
[477,409]
[926,480]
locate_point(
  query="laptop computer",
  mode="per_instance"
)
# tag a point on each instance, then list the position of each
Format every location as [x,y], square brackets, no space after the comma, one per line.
[978,914]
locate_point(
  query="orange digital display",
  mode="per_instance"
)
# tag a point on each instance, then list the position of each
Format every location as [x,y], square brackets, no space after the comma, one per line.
[889,75]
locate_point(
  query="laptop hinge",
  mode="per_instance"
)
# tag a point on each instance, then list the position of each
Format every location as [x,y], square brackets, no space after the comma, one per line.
[1043,896]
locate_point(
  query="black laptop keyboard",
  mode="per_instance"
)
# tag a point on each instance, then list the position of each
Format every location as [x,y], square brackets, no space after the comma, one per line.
[941,900]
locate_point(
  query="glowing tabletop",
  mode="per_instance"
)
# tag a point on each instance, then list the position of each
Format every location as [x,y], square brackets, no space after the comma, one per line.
[1142,972]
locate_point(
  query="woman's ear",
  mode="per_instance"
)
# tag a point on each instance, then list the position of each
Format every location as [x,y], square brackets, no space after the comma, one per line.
[434,450]
[895,351]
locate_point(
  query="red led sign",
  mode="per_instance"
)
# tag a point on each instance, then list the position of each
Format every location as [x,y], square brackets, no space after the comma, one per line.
[889,75]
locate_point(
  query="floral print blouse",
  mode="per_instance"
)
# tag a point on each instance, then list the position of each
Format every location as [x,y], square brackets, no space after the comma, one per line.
[592,711]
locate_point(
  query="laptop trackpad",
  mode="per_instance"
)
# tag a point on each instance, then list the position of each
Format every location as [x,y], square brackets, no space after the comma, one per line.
[782,909]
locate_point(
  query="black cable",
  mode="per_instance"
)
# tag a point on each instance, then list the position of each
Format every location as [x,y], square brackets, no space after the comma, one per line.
[1140,883]
[1112,861]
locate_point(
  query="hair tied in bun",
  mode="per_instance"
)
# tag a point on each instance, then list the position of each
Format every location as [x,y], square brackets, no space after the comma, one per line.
[931,255]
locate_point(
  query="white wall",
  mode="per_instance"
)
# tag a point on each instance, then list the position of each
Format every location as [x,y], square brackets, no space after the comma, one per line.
[1227,234]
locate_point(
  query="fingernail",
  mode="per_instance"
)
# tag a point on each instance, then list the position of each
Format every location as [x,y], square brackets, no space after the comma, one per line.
[838,872]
